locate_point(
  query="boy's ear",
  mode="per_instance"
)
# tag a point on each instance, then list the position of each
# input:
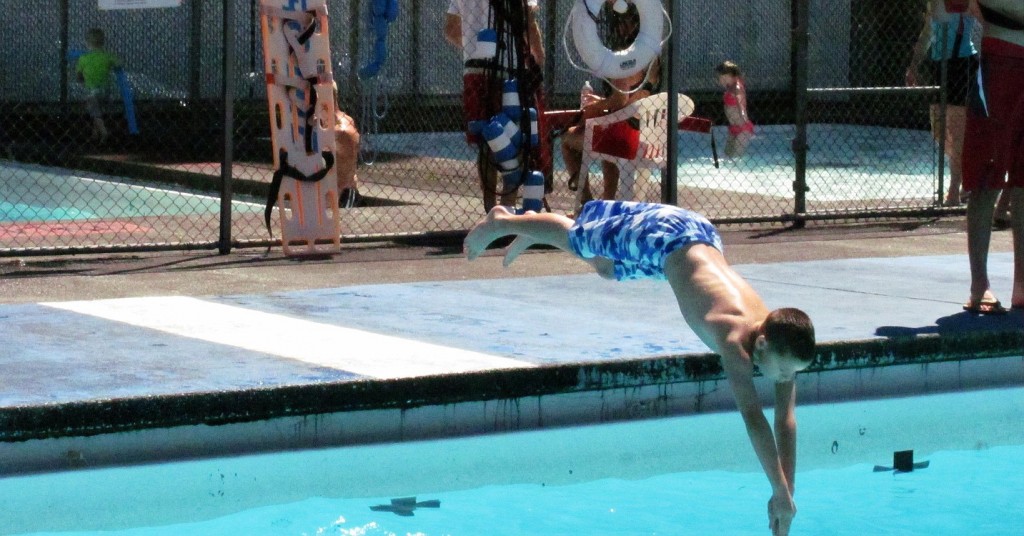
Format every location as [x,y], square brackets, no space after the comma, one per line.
[761,343]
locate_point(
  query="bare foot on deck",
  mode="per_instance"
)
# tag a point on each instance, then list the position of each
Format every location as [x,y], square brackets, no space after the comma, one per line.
[485,232]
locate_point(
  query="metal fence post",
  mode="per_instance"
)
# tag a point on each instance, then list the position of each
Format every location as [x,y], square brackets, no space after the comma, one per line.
[228,98]
[669,188]
[355,37]
[943,102]
[799,80]
[550,58]
[64,46]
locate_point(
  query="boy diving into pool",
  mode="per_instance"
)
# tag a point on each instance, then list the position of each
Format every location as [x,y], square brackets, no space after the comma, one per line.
[626,240]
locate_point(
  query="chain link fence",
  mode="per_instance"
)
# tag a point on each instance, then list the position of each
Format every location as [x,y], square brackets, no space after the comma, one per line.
[836,134]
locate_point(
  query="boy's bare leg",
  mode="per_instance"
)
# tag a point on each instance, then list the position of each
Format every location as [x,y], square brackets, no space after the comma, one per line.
[99,130]
[544,228]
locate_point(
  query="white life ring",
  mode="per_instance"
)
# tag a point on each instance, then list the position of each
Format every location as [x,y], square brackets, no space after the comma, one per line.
[612,64]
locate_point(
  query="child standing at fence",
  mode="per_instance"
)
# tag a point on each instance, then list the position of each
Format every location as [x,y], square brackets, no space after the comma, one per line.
[946,38]
[741,129]
[94,70]
[346,153]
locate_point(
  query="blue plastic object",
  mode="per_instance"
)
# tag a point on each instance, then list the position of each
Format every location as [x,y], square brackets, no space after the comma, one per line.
[382,14]
[125,88]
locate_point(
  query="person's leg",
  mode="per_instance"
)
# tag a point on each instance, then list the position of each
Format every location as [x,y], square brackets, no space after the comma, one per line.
[546,228]
[508,196]
[488,176]
[980,205]
[94,108]
[611,180]
[730,146]
[956,118]
[736,144]
[346,150]
[742,142]
[1001,219]
[572,153]
[1016,196]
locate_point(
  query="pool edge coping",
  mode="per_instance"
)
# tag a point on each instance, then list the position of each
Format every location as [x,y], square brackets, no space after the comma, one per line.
[233,406]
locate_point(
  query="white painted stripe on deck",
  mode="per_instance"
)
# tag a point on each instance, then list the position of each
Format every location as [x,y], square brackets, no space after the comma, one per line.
[352,350]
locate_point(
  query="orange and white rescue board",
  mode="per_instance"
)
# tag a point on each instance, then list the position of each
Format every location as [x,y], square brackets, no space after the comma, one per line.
[297,63]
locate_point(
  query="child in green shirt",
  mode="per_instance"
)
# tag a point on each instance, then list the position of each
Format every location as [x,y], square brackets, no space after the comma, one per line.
[94,69]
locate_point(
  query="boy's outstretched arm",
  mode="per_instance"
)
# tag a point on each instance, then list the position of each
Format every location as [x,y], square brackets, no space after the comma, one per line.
[781,507]
[785,430]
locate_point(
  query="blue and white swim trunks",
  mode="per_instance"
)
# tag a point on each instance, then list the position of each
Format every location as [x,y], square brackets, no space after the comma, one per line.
[637,237]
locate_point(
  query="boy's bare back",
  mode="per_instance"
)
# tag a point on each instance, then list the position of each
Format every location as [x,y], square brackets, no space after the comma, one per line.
[719,305]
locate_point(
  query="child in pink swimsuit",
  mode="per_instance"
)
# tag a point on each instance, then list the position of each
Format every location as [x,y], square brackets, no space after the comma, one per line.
[741,129]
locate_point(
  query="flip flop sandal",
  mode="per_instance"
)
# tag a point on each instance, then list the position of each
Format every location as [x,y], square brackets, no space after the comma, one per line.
[985,308]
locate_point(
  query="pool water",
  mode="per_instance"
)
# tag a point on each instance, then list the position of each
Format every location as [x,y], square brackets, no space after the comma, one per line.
[22,212]
[36,193]
[844,162]
[676,476]
[961,492]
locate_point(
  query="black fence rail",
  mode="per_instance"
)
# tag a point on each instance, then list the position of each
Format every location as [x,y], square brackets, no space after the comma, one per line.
[836,132]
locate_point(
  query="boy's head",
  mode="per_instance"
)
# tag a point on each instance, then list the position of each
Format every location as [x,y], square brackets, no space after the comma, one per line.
[94,38]
[785,344]
[728,73]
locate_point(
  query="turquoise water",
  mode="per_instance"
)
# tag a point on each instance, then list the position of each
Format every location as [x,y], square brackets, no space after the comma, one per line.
[844,162]
[677,476]
[36,193]
[973,492]
[22,212]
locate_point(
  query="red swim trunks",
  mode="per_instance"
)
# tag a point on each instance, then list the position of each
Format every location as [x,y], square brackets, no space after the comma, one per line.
[994,139]
[736,130]
[617,139]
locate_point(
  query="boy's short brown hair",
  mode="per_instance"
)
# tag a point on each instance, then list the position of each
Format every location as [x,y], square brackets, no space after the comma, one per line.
[790,331]
[94,37]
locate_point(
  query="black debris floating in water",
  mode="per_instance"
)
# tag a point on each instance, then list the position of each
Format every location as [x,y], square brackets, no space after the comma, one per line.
[902,462]
[405,506]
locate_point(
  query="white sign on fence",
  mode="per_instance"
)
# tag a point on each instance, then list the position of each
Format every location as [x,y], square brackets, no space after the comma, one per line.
[137,4]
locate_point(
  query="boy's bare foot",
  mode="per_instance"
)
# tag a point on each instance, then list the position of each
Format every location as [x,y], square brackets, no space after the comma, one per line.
[519,245]
[484,232]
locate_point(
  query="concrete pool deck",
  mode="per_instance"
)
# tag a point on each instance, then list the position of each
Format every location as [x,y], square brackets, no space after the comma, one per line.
[105,345]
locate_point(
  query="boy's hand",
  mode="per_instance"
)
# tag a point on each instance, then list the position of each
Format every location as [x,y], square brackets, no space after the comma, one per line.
[781,510]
